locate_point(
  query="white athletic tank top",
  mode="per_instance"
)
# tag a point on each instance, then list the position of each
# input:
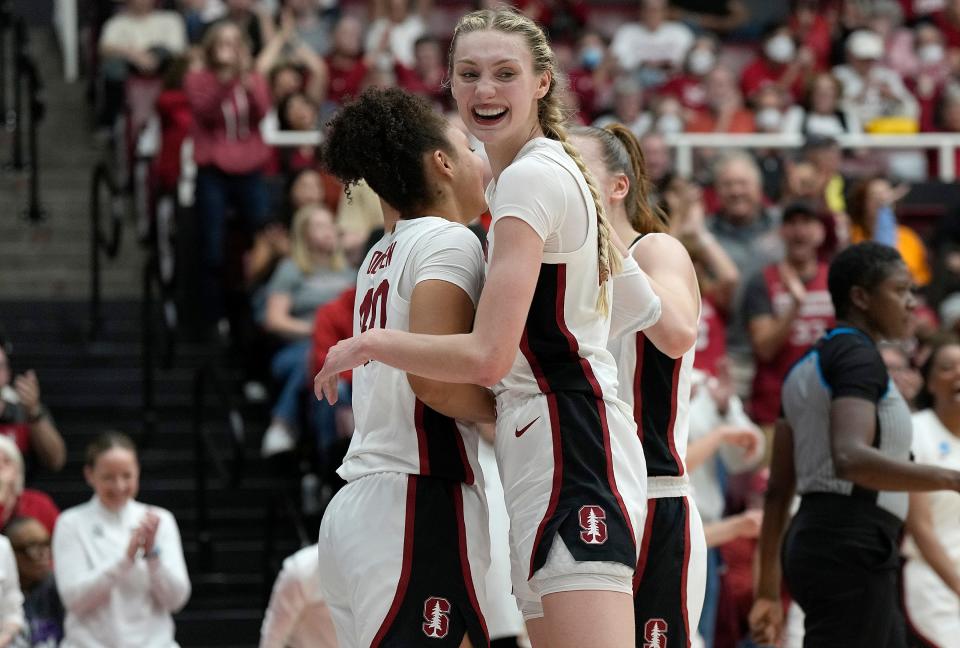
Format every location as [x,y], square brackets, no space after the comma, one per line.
[934,444]
[564,343]
[656,388]
[395,432]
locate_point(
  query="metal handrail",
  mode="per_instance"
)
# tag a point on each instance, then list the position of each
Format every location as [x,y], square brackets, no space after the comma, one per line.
[204,448]
[100,242]
[945,144]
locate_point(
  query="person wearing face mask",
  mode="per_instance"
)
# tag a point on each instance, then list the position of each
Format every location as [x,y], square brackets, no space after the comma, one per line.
[627,108]
[118,563]
[781,64]
[933,70]
[725,112]
[590,77]
[689,87]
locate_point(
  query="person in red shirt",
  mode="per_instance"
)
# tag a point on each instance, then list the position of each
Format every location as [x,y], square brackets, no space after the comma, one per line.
[948,20]
[725,112]
[809,24]
[229,99]
[347,65]
[780,64]
[426,77]
[787,307]
[689,87]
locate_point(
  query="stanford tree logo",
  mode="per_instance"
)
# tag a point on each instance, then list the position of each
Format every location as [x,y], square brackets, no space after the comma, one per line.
[436,616]
[655,633]
[593,529]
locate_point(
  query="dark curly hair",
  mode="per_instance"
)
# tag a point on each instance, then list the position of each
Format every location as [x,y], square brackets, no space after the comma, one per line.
[381,137]
[866,265]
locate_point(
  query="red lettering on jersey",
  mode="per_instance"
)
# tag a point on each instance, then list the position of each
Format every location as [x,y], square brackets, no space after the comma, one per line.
[593,529]
[381,260]
[436,617]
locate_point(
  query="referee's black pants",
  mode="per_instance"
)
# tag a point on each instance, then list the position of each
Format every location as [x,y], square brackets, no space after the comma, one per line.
[841,564]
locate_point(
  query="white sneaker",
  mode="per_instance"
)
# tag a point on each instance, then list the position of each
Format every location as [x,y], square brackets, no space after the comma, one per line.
[278,438]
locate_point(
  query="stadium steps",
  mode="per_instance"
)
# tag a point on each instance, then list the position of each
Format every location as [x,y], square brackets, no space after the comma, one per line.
[90,387]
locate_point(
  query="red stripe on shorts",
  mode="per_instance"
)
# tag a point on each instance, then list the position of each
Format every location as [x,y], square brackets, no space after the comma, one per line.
[407,562]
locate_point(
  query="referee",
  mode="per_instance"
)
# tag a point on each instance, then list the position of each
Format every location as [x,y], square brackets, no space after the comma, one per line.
[843,444]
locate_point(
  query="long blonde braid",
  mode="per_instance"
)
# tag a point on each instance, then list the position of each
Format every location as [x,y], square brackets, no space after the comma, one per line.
[551,116]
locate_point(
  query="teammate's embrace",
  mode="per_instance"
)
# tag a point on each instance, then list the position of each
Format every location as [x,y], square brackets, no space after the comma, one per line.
[404,545]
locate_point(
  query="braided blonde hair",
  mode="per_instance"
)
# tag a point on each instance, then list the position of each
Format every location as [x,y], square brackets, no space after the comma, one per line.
[550,113]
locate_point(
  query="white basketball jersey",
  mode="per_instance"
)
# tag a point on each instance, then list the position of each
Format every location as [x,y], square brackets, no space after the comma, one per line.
[563,347]
[656,388]
[395,432]
[934,444]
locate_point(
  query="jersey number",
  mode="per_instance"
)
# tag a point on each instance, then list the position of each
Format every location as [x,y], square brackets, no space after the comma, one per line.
[374,304]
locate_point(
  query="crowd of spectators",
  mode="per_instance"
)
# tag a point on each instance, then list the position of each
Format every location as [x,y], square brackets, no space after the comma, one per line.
[236,76]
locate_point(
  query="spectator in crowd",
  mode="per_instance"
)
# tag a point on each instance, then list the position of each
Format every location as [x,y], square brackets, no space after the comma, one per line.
[346,61]
[824,154]
[657,156]
[787,308]
[118,563]
[138,39]
[872,218]
[716,273]
[748,233]
[689,86]
[561,19]
[312,29]
[723,441]
[297,616]
[780,64]
[297,112]
[885,18]
[42,607]
[948,20]
[801,182]
[931,575]
[394,30]
[769,105]
[822,113]
[872,91]
[668,116]
[285,55]
[810,26]
[908,380]
[25,419]
[653,48]
[252,20]
[931,73]
[627,107]
[229,100]
[314,274]
[725,111]
[15,499]
[590,75]
[427,74]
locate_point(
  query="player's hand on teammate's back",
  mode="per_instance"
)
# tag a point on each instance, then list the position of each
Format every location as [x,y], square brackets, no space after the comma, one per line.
[766,621]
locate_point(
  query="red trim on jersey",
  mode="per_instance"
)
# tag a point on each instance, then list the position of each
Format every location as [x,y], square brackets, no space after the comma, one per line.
[557,444]
[686,563]
[637,391]
[597,392]
[421,437]
[671,436]
[407,564]
[919,636]
[644,545]
[465,558]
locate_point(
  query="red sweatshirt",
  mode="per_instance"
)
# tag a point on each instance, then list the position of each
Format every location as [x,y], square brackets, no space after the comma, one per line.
[226,131]
[332,323]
